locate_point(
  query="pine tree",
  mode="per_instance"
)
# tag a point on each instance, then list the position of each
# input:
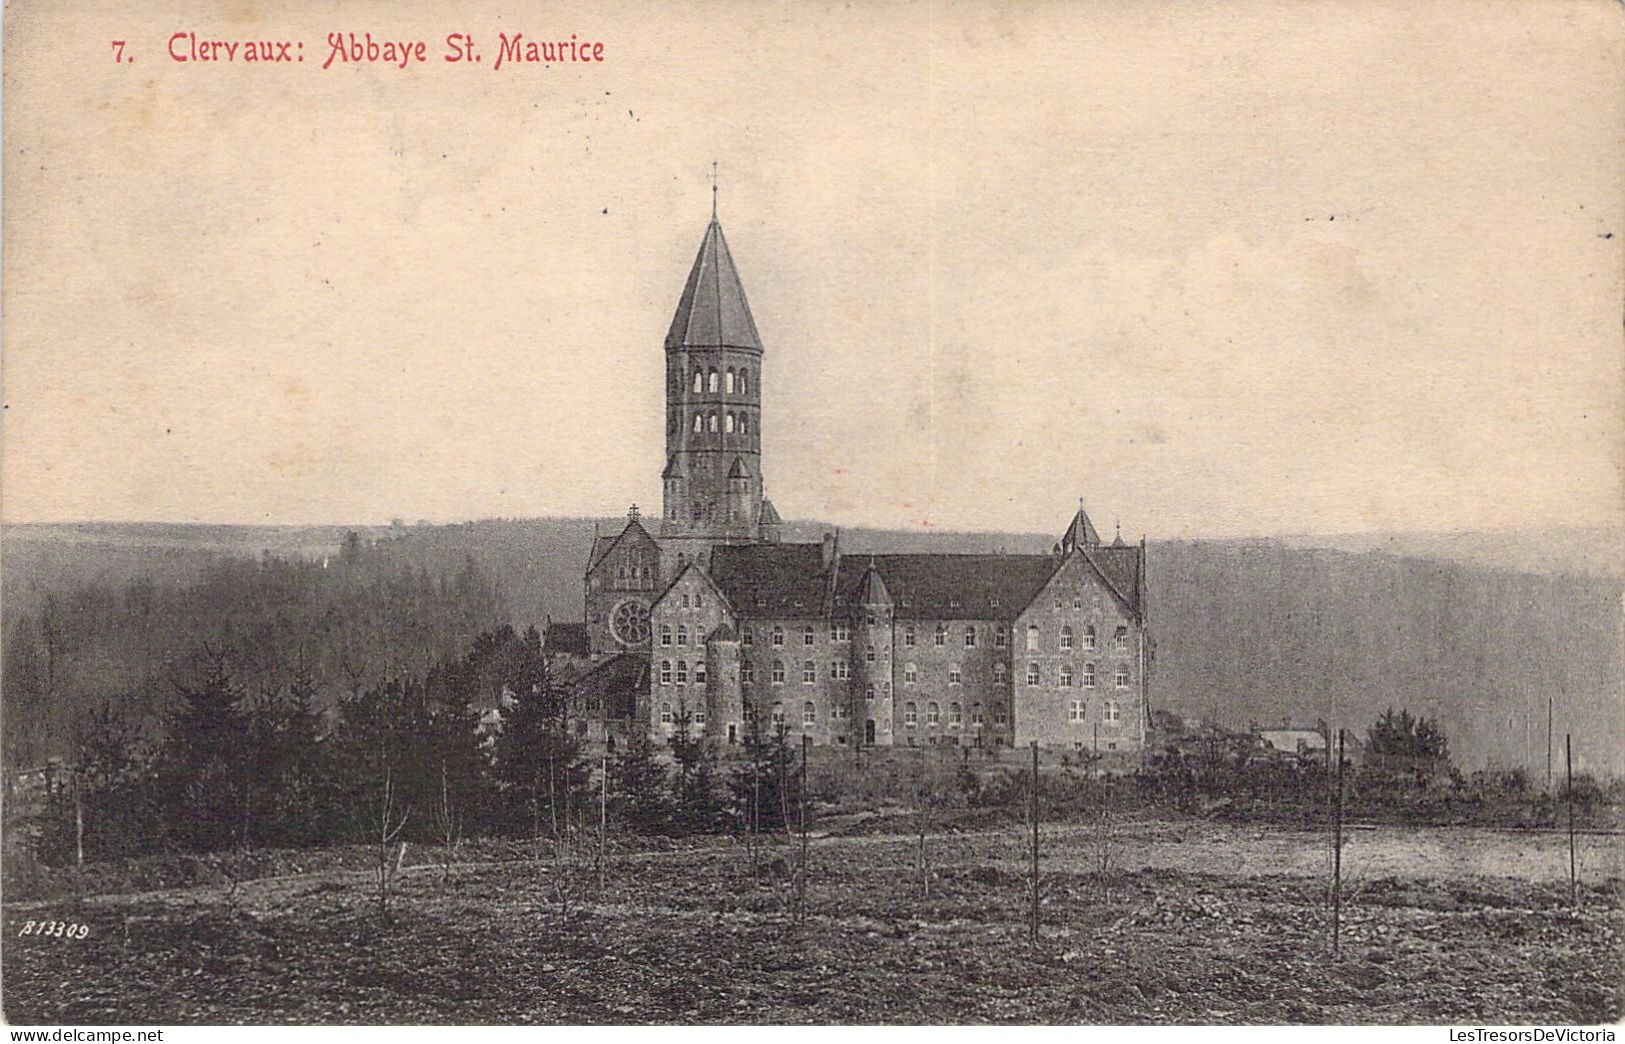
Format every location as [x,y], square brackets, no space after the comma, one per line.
[538,763]
[698,805]
[766,788]
[200,767]
[637,783]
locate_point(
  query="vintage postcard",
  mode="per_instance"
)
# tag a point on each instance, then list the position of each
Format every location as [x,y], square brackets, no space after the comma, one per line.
[729,513]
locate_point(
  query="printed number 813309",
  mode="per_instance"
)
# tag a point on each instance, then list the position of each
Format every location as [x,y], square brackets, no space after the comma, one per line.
[55,929]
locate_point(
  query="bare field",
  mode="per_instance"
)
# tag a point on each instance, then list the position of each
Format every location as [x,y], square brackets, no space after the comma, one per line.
[1195,922]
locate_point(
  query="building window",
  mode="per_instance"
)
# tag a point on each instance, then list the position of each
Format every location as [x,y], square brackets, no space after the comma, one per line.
[869,617]
[665,634]
[1120,639]
[998,714]
[1122,676]
[699,423]
[1032,674]
[1089,638]
[998,673]
[933,713]
[807,636]
[910,715]
[911,674]
[1059,605]
[839,633]
[976,714]
[942,635]
[747,673]
[744,382]
[956,717]
[1000,639]
[699,379]
[908,636]
[839,670]
[1112,711]
[712,380]
[869,654]
[869,692]
[953,674]
[778,636]
[728,423]
[778,672]
[728,382]
[699,672]
[699,714]
[1077,601]
[750,636]
[744,424]
[778,714]
[809,713]
[682,672]
[711,423]
[1032,637]
[699,600]
[682,635]
[1076,712]
[1088,676]
[665,714]
[1066,676]
[665,672]
[1066,639]
[809,672]
[685,601]
[748,710]
[970,637]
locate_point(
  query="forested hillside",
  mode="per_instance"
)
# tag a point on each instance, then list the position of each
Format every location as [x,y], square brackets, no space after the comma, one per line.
[1245,630]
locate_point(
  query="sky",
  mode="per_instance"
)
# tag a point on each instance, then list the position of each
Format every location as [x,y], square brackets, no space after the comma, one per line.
[1218,270]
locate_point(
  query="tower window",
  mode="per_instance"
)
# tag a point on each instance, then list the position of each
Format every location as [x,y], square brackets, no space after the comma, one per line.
[699,423]
[744,382]
[712,423]
[699,380]
[729,382]
[744,423]
[713,380]
[728,423]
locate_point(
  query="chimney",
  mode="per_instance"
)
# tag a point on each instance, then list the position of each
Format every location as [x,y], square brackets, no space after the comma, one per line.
[832,549]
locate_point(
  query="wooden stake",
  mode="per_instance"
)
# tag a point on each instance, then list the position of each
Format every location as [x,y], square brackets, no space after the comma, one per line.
[1033,925]
[1574,872]
[1337,855]
[801,890]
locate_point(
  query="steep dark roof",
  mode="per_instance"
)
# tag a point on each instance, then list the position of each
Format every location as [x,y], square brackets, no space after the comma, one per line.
[712,311]
[771,579]
[1121,567]
[739,469]
[965,587]
[567,638]
[767,515]
[1080,531]
[789,580]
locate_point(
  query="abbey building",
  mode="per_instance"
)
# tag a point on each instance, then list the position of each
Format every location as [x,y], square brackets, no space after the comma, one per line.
[705,611]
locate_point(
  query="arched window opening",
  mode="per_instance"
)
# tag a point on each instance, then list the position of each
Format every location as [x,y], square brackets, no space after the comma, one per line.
[712,423]
[713,380]
[699,380]
[728,424]
[699,423]
[729,382]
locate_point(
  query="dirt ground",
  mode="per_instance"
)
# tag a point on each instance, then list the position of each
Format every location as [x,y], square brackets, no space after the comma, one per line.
[1193,922]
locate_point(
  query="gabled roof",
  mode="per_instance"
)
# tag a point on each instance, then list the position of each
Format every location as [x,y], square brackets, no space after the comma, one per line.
[693,567]
[603,545]
[712,311]
[738,469]
[623,672]
[1121,568]
[767,515]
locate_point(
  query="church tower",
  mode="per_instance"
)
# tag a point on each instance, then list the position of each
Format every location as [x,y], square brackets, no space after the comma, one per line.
[713,475]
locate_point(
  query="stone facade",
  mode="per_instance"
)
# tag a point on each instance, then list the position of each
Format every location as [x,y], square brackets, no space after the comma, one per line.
[712,616]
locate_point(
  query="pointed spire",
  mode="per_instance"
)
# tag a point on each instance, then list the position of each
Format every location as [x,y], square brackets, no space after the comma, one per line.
[713,190]
[712,312]
[1080,532]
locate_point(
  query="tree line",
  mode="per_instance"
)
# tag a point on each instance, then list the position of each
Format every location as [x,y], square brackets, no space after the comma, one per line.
[237,767]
